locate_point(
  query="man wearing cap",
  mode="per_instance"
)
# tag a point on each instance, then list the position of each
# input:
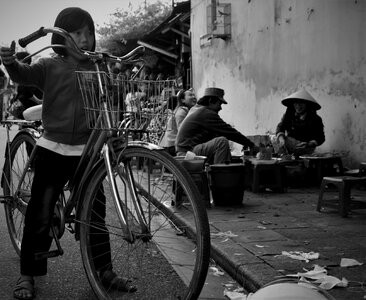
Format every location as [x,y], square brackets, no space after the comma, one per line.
[301,129]
[204,133]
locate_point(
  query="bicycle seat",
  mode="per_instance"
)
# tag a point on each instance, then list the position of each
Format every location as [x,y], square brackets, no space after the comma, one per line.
[33,113]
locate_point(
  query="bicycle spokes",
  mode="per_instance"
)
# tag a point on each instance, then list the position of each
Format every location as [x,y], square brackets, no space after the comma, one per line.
[134,226]
[169,257]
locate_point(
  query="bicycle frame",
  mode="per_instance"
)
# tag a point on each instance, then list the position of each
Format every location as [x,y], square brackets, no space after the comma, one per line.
[99,143]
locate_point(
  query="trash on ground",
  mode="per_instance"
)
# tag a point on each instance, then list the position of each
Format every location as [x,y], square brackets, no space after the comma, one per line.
[224,234]
[263,222]
[350,262]
[216,271]
[319,275]
[235,295]
[301,255]
[328,282]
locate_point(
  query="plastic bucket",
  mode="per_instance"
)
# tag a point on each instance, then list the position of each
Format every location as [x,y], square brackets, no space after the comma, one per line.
[227,183]
[195,168]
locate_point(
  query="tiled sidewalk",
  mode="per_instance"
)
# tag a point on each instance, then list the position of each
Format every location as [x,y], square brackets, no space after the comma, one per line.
[248,240]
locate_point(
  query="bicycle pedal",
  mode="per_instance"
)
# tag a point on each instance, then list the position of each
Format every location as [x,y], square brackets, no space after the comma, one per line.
[48,254]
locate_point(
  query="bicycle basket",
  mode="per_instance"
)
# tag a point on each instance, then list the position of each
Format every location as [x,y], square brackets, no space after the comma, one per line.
[114,103]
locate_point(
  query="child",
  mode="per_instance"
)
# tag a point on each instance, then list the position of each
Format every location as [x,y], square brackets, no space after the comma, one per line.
[60,147]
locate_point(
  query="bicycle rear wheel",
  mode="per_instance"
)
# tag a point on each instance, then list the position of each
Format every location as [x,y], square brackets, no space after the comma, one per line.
[169,260]
[17,199]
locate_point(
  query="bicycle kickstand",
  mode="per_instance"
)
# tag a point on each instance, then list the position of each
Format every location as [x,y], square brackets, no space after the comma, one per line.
[59,251]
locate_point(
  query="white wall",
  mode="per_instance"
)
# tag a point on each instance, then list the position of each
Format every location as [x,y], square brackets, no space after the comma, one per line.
[278,46]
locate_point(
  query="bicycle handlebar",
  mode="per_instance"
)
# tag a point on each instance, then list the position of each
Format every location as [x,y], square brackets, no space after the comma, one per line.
[80,54]
[23,42]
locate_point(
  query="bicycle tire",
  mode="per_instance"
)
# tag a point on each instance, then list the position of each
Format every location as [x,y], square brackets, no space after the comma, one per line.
[175,250]
[15,206]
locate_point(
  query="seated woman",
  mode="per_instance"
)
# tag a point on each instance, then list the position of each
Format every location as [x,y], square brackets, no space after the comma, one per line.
[301,129]
[179,106]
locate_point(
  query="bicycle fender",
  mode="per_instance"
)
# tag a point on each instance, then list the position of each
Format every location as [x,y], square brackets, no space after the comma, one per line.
[146,145]
[31,131]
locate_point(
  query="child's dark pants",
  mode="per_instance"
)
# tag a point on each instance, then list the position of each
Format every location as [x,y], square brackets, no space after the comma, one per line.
[51,173]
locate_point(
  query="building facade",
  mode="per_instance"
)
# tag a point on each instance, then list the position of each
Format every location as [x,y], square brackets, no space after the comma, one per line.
[261,51]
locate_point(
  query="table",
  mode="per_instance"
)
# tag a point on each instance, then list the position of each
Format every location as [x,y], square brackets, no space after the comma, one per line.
[263,174]
[321,165]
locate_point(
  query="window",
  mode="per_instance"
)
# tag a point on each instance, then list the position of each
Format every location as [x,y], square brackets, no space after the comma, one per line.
[219,19]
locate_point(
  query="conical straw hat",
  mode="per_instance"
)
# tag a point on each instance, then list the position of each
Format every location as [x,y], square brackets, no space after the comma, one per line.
[301,95]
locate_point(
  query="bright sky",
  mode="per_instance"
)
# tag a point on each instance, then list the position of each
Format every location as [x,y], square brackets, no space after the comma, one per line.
[19,18]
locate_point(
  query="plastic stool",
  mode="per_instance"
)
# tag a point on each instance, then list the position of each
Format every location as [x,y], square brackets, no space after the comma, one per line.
[344,185]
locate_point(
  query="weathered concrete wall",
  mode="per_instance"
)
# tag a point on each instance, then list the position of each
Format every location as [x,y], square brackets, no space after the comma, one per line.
[278,46]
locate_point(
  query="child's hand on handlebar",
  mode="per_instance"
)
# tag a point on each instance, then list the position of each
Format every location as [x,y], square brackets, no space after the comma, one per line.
[8,54]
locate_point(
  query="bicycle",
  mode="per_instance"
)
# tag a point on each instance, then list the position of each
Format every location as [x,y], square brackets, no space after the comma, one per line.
[164,249]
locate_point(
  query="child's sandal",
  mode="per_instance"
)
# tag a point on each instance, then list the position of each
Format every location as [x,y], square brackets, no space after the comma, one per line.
[24,285]
[111,280]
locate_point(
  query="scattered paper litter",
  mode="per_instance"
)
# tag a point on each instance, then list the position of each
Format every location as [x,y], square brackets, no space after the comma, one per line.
[224,234]
[265,222]
[328,282]
[235,295]
[319,275]
[316,273]
[350,262]
[301,255]
[216,271]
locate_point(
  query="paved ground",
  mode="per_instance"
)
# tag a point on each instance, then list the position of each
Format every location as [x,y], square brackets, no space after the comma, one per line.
[248,240]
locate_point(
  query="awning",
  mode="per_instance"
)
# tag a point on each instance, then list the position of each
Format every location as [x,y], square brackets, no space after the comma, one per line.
[154,48]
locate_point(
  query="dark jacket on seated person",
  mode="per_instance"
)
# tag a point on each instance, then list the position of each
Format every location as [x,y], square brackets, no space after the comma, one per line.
[301,129]
[202,125]
[204,133]
[307,128]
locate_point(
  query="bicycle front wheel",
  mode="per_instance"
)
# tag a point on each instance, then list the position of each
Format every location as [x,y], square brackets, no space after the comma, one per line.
[17,197]
[168,256]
